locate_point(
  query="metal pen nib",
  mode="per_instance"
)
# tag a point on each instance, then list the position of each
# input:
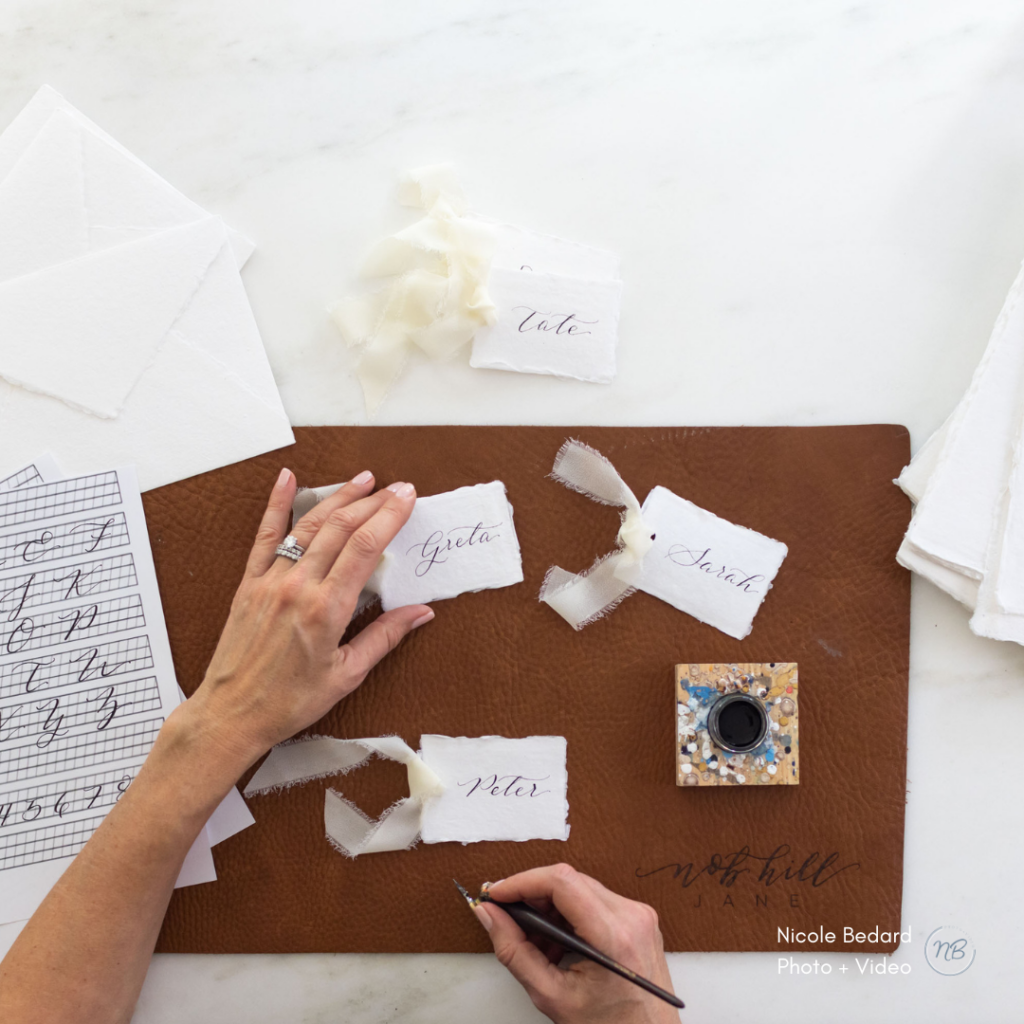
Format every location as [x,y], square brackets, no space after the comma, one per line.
[469,899]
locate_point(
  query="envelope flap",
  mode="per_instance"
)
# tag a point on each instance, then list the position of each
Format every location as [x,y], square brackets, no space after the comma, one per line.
[42,202]
[124,198]
[83,331]
[185,416]
[150,200]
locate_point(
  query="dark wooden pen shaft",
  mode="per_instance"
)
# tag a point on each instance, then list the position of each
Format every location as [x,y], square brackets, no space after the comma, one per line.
[531,920]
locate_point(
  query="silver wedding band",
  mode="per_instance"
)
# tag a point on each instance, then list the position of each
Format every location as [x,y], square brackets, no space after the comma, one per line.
[290,548]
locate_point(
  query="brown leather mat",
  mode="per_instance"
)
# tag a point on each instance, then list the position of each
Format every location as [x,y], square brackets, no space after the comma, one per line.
[734,863]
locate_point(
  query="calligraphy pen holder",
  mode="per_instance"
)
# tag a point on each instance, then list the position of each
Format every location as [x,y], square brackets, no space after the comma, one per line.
[737,724]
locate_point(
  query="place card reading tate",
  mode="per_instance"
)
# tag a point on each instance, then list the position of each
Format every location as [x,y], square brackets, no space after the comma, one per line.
[548,323]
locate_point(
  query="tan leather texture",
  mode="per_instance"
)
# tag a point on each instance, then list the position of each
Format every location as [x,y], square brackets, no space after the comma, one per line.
[724,867]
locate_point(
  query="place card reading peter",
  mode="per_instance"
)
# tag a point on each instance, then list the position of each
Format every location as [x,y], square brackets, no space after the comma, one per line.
[552,324]
[496,789]
[703,565]
[462,540]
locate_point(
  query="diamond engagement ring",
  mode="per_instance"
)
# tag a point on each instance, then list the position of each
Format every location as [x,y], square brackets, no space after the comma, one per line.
[290,548]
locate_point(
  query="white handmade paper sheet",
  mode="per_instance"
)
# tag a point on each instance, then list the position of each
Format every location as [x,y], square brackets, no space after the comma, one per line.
[496,788]
[460,541]
[703,565]
[125,332]
[950,536]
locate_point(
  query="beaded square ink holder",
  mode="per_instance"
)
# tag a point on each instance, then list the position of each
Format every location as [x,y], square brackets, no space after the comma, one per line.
[736,724]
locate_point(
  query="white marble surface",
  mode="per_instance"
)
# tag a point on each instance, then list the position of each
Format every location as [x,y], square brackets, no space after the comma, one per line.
[819,206]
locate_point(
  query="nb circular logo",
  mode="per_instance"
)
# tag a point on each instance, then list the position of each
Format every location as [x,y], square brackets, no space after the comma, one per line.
[949,950]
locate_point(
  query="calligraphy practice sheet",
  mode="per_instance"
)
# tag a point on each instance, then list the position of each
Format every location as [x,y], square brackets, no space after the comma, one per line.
[557,304]
[86,677]
[496,789]
[703,565]
[459,541]
[38,471]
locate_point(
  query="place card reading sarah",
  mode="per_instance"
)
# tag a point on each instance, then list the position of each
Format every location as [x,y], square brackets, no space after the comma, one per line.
[459,541]
[496,789]
[703,565]
[552,324]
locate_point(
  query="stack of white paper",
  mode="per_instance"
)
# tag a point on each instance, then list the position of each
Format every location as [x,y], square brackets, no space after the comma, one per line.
[967,534]
[125,332]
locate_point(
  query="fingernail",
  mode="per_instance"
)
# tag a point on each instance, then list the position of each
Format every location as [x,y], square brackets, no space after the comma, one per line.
[402,490]
[424,618]
[483,917]
[284,476]
[363,478]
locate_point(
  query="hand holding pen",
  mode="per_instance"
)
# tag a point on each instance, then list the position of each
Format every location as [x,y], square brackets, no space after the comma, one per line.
[585,993]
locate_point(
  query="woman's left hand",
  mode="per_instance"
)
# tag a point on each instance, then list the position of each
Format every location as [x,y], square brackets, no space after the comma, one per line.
[278,666]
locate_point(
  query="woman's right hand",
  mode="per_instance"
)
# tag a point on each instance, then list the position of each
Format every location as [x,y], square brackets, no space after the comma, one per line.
[584,993]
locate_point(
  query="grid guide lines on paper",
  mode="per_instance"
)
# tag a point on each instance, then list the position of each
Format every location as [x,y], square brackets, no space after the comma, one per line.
[86,673]
[26,760]
[77,665]
[93,791]
[47,501]
[78,580]
[63,540]
[28,475]
[50,843]
[47,718]
[82,622]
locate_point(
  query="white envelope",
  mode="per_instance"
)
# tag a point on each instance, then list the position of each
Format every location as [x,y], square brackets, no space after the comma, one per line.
[125,331]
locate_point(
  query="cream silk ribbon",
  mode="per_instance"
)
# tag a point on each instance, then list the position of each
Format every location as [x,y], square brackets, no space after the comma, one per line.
[349,830]
[437,298]
[582,598]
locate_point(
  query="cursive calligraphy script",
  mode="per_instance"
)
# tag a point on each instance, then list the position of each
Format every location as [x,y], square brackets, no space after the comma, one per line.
[435,549]
[547,323]
[702,561]
[496,785]
[777,866]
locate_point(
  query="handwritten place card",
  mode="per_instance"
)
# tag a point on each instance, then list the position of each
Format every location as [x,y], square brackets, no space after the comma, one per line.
[712,569]
[459,541]
[496,789]
[548,323]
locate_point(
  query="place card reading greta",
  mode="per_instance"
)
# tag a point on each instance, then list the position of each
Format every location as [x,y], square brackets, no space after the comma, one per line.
[459,541]
[703,565]
[549,323]
[496,789]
